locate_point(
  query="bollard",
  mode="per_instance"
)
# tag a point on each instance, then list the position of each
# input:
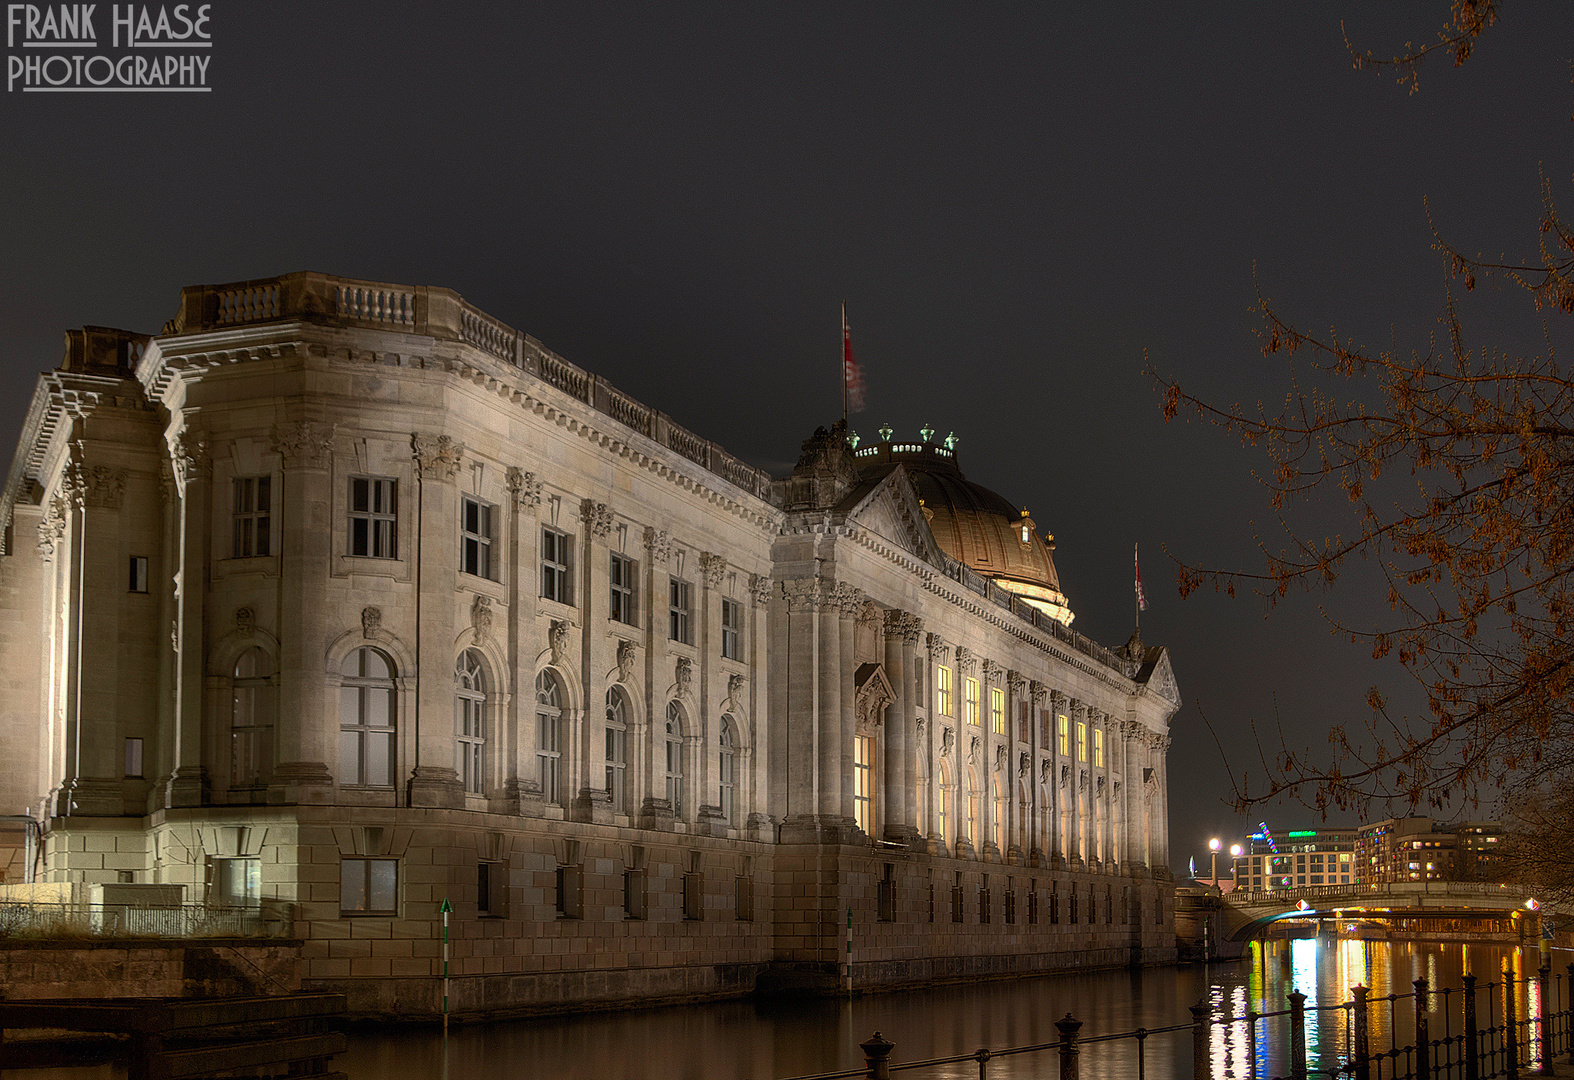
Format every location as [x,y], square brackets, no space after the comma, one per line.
[1068,1027]
[1472,1040]
[876,1055]
[1297,1035]
[1362,1069]
[1423,1070]
[1199,1042]
[1510,1025]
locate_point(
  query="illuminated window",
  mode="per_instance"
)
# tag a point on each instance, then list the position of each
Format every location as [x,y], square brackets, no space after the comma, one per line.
[943,691]
[1064,737]
[862,782]
[1098,747]
[972,701]
[1082,741]
[997,709]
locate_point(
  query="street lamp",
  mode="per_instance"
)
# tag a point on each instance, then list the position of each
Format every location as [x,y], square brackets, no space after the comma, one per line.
[1235,861]
[1213,848]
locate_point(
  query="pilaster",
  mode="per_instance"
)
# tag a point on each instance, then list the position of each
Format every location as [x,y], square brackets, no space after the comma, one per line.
[434,781]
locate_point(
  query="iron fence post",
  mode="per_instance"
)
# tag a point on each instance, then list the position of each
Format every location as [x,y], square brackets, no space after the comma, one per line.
[1423,1069]
[1568,1014]
[1472,1044]
[1510,1024]
[1068,1026]
[876,1055]
[1297,1035]
[1363,1063]
[1543,1044]
[1199,1041]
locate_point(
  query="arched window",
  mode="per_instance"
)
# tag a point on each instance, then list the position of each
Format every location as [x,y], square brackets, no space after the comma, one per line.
[617,750]
[728,766]
[366,719]
[251,720]
[549,736]
[470,722]
[674,744]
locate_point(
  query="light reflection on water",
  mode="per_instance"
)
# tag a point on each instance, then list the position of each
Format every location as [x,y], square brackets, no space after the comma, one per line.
[740,1040]
[736,1040]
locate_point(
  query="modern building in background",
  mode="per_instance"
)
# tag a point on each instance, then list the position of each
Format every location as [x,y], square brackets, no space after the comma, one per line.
[1298,858]
[1419,849]
[344,599]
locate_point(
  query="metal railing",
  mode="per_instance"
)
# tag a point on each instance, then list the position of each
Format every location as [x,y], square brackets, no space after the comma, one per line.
[1528,1024]
[66,920]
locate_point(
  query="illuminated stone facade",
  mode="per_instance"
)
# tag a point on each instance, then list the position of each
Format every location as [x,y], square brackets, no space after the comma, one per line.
[344,599]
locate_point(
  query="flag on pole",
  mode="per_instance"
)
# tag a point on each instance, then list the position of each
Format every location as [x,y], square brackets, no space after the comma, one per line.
[852,377]
[1142,601]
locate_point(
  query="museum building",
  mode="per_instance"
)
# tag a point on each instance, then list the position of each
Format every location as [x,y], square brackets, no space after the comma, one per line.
[344,602]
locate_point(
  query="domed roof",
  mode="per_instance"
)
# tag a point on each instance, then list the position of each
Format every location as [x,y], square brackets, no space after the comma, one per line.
[972,524]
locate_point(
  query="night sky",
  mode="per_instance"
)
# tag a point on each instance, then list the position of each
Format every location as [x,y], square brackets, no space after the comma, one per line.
[1022,205]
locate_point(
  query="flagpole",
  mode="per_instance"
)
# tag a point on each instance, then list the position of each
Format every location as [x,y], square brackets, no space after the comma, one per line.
[1136,594]
[843,364]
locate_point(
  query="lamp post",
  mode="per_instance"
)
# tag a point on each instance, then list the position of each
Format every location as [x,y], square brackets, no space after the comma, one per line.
[1213,853]
[1235,865]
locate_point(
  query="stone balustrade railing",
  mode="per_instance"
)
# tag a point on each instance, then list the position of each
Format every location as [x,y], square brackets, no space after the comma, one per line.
[444,314]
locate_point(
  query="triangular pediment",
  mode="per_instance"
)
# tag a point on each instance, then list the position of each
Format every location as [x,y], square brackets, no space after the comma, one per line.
[891,511]
[1161,679]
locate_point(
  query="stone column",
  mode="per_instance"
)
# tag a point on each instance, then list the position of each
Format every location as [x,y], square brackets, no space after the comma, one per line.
[1058,849]
[93,560]
[761,798]
[997,768]
[1161,830]
[655,808]
[707,780]
[597,653]
[187,781]
[901,754]
[1021,779]
[796,720]
[305,504]
[848,602]
[942,739]
[517,725]
[434,781]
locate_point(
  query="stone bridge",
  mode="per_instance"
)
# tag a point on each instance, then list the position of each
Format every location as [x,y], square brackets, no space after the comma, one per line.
[1246,913]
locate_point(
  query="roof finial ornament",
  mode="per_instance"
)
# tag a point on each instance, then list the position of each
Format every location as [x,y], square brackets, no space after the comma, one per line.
[950,441]
[926,433]
[886,431]
[853,440]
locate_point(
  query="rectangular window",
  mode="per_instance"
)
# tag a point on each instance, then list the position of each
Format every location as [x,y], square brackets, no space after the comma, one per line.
[634,885]
[374,508]
[1098,747]
[958,899]
[475,537]
[368,886]
[253,515]
[1011,904]
[568,879]
[1032,907]
[983,901]
[491,894]
[972,701]
[237,882]
[886,896]
[138,578]
[1062,737]
[621,573]
[556,565]
[862,782]
[133,759]
[1054,906]
[743,897]
[1082,741]
[731,623]
[678,611]
[943,690]
[549,752]
[694,891]
[997,709]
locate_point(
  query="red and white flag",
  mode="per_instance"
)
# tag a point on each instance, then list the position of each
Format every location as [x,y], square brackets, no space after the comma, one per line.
[852,377]
[1142,601]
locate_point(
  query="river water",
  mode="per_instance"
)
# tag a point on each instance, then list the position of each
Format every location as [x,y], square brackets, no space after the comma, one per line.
[764,1040]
